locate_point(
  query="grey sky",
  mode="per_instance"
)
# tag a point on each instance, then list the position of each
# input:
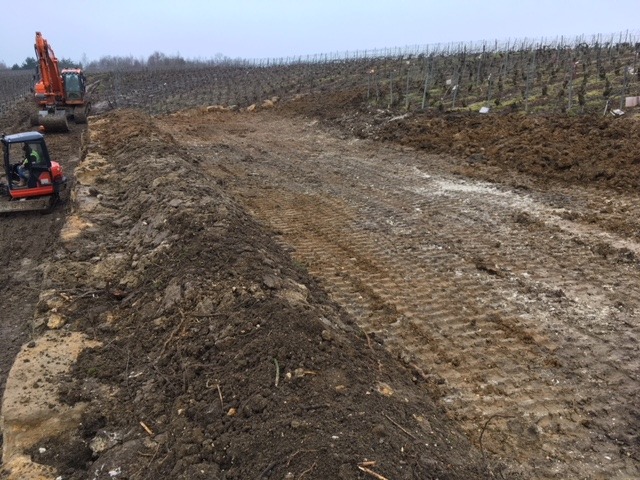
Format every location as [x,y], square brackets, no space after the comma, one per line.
[200,29]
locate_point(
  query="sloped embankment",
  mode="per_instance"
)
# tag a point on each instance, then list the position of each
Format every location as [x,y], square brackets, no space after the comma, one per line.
[220,357]
[574,150]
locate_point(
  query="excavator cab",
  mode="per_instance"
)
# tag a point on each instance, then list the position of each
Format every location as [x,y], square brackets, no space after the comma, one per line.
[75,89]
[46,182]
[74,85]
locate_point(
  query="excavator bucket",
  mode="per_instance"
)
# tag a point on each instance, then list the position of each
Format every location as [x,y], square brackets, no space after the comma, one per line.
[42,204]
[54,122]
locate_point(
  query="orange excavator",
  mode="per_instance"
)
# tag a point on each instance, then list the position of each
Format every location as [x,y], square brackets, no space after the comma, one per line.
[60,95]
[31,180]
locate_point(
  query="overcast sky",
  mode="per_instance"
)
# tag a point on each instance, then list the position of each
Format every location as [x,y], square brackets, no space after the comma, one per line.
[86,30]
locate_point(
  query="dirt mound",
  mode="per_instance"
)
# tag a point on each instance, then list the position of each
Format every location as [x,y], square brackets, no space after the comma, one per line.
[220,357]
[602,151]
[581,150]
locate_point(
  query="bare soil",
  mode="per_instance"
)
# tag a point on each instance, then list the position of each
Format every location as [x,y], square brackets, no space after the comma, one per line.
[28,240]
[320,291]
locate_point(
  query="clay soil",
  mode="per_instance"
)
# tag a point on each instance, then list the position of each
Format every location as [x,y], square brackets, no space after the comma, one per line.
[320,291]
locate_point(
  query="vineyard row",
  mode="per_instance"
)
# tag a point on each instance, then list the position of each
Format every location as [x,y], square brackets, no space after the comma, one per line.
[594,76]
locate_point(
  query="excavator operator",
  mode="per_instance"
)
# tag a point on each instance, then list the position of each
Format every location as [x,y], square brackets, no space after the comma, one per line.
[30,157]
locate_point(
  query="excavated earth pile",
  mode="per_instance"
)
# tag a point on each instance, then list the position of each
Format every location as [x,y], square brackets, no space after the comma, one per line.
[581,150]
[212,353]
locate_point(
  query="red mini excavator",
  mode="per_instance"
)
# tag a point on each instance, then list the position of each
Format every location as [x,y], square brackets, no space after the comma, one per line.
[59,95]
[36,184]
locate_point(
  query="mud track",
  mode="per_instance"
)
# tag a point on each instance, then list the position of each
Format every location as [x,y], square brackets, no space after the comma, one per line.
[27,239]
[518,304]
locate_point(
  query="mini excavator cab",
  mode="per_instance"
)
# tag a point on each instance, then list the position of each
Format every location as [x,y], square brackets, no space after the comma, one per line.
[45,182]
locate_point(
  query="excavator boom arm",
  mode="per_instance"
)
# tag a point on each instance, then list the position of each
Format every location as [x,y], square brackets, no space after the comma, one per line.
[49,71]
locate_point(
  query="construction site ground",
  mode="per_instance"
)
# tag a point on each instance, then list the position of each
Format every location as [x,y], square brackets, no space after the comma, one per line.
[315,290]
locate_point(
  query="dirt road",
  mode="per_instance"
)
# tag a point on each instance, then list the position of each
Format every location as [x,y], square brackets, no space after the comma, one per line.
[27,239]
[519,304]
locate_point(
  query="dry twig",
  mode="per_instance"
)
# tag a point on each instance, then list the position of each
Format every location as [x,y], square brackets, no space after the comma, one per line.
[296,453]
[146,429]
[400,426]
[275,360]
[307,470]
[372,473]
[220,395]
[368,340]
[175,330]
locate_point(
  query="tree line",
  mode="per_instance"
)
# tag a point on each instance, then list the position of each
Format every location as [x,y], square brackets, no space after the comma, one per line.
[31,63]
[106,63]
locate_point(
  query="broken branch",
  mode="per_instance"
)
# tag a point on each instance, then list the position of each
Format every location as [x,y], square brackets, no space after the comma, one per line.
[372,473]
